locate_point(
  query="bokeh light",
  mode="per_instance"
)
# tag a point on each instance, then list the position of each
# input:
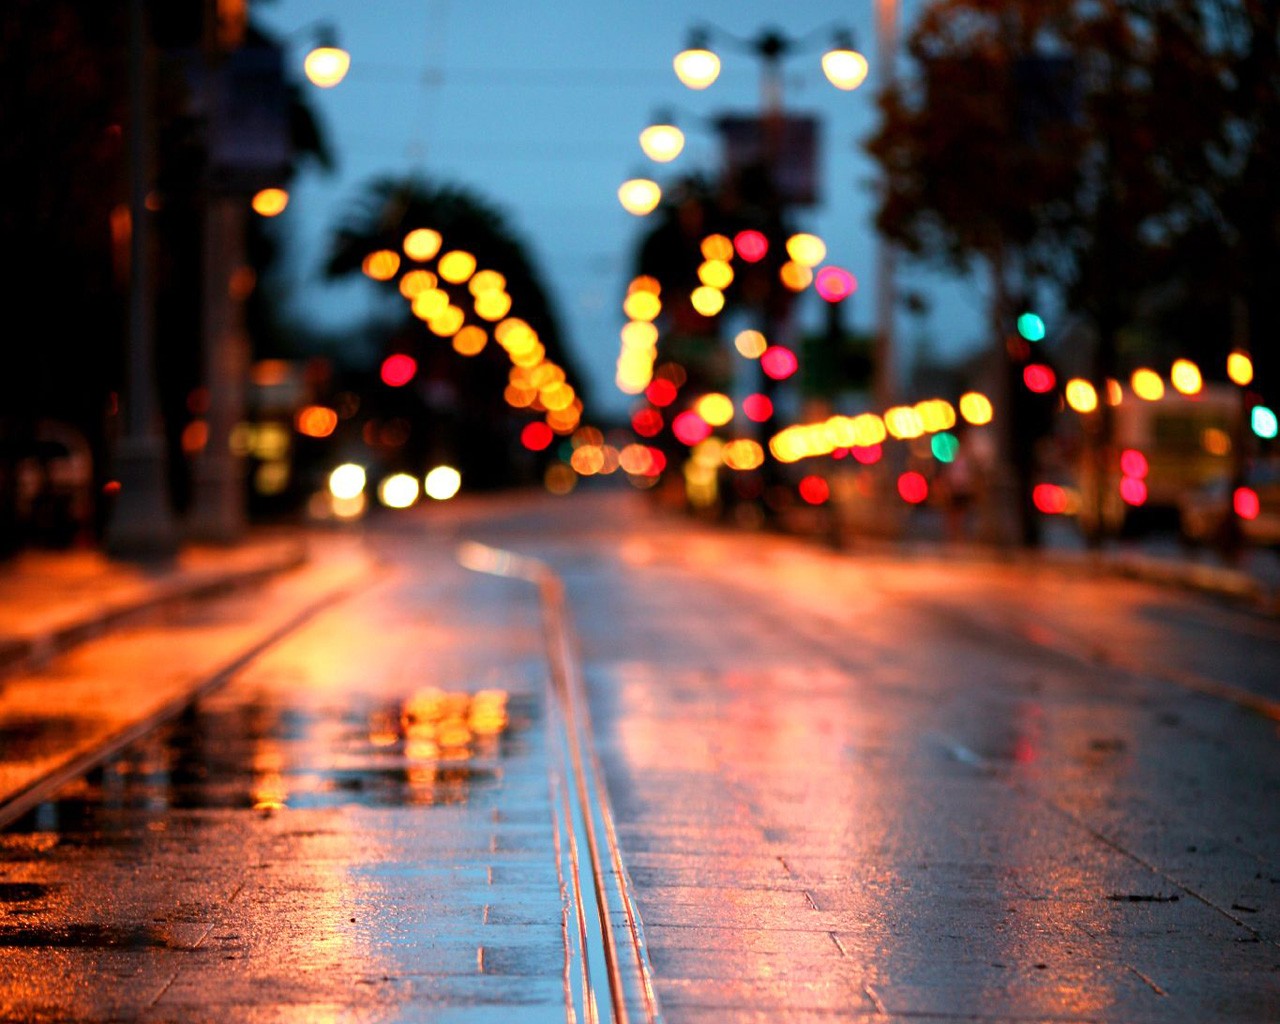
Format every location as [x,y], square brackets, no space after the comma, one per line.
[347,481]
[751,245]
[270,202]
[806,249]
[1185,377]
[1081,395]
[400,490]
[1147,385]
[778,362]
[1240,368]
[757,407]
[690,428]
[835,284]
[976,408]
[422,244]
[1246,503]
[398,369]
[442,483]
[751,344]
[1038,378]
[913,488]
[814,490]
[537,436]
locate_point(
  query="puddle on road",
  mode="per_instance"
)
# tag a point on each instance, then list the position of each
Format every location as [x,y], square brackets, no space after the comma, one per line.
[435,747]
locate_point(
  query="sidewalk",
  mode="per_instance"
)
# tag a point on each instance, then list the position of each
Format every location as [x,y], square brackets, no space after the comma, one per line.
[52,600]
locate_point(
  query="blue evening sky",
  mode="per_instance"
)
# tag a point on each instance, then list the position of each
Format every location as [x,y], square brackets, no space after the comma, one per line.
[537,107]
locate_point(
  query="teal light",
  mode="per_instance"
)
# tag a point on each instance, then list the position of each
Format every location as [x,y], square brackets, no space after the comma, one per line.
[1031,327]
[945,447]
[1263,421]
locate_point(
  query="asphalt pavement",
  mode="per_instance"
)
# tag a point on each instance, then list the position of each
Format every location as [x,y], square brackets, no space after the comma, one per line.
[830,786]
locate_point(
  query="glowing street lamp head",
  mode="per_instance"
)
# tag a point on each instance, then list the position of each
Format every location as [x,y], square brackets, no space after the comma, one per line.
[697,67]
[662,141]
[327,64]
[639,196]
[843,65]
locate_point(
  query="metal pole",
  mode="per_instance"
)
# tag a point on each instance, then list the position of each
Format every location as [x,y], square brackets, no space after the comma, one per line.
[884,386]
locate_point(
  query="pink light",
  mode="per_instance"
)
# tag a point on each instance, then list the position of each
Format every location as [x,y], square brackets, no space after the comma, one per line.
[398,370]
[757,408]
[778,362]
[1246,503]
[868,455]
[835,283]
[1133,491]
[690,428]
[751,245]
[1133,463]
[1039,378]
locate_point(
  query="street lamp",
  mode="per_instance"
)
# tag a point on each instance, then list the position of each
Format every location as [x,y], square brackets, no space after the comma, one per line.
[326,64]
[697,66]
[662,141]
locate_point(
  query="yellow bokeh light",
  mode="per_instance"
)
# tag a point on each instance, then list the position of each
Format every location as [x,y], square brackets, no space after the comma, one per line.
[642,305]
[1185,377]
[486,281]
[807,250]
[456,266]
[976,408]
[558,397]
[493,305]
[447,322]
[935,415]
[528,357]
[639,334]
[715,274]
[717,247]
[795,276]
[442,483]
[1147,385]
[1081,395]
[743,454]
[347,481]
[868,430]
[519,396]
[422,244]
[430,303]
[715,408]
[270,202]
[1240,368]
[750,344]
[381,265]
[903,422]
[400,490]
[707,301]
[416,282]
[470,341]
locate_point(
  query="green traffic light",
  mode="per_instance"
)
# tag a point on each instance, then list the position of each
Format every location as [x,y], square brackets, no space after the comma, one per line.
[1031,327]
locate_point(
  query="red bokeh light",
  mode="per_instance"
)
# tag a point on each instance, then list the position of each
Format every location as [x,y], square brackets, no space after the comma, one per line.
[660,392]
[778,362]
[1133,491]
[757,408]
[1039,378]
[751,245]
[536,436]
[814,490]
[690,428]
[657,462]
[1133,463]
[868,455]
[1049,499]
[1246,503]
[646,422]
[398,370]
[835,284]
[913,487]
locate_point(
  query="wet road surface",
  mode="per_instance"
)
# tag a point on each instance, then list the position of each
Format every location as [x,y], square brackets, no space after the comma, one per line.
[847,787]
